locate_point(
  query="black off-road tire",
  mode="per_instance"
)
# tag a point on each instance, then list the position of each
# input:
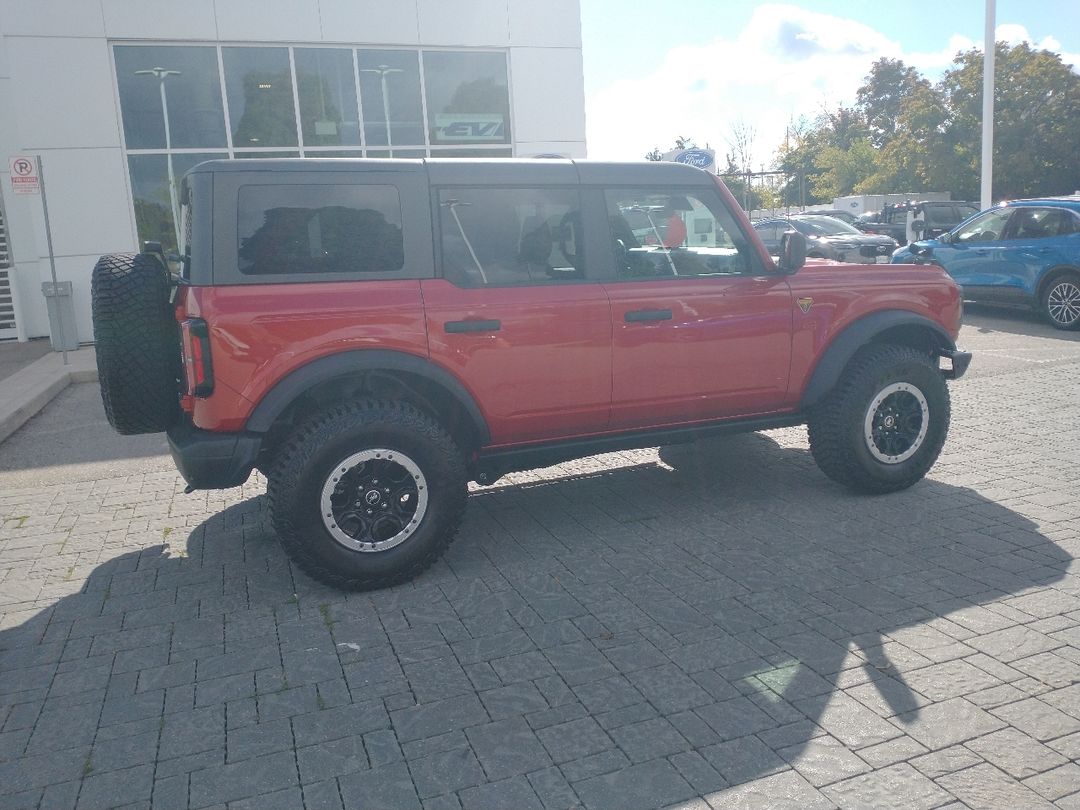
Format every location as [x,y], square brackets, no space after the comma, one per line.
[1060,302]
[137,343]
[837,426]
[312,455]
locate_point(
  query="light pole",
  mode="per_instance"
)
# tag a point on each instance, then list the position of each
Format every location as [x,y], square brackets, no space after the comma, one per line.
[986,185]
[161,74]
[383,71]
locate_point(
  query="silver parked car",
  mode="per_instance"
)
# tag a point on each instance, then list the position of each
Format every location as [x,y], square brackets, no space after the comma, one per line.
[828,238]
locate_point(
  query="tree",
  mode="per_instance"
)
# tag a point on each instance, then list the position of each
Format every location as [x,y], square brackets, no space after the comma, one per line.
[888,85]
[681,142]
[923,137]
[921,154]
[815,157]
[1036,121]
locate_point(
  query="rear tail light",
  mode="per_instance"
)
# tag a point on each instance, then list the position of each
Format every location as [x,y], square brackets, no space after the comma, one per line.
[198,370]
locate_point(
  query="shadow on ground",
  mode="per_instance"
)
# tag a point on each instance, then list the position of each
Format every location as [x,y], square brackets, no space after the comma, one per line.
[623,637]
[70,440]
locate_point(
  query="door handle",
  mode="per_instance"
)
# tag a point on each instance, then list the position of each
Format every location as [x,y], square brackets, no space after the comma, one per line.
[638,315]
[457,327]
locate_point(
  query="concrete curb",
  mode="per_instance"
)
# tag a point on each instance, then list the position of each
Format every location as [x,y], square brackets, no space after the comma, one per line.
[30,389]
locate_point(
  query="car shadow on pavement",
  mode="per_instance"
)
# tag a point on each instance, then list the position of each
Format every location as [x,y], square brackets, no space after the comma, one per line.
[72,434]
[718,620]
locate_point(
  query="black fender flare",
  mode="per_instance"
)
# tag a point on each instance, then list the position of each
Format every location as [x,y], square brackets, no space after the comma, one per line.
[863,331]
[343,364]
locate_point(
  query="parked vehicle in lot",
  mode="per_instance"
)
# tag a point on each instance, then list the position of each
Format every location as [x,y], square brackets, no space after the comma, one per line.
[372,335]
[912,220]
[1024,252]
[827,238]
[835,213]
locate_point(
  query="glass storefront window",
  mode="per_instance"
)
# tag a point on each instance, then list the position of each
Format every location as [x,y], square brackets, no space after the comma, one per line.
[467,97]
[196,119]
[326,85]
[258,83]
[390,84]
[282,154]
[174,115]
[471,153]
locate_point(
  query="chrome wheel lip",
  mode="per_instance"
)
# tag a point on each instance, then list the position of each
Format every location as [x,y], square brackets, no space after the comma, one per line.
[871,414]
[1063,303]
[326,512]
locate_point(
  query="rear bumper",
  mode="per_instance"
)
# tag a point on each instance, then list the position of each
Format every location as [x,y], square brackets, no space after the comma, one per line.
[960,362]
[210,460]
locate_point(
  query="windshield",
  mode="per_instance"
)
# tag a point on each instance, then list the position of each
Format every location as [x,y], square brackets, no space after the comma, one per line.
[827,226]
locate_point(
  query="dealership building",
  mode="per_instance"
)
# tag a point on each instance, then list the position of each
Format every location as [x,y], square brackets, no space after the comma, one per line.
[118,98]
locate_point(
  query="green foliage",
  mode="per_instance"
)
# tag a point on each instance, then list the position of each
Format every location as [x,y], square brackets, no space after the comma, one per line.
[906,135]
[681,142]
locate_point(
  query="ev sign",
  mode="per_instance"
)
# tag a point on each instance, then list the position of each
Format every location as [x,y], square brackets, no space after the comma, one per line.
[24,175]
[469,127]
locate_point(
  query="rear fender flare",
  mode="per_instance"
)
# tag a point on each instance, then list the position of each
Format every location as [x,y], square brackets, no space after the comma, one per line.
[863,331]
[303,379]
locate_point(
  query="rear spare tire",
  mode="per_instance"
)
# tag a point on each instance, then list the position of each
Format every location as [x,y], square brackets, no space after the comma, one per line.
[138,348]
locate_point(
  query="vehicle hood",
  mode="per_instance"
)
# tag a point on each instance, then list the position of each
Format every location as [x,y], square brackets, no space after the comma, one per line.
[912,250]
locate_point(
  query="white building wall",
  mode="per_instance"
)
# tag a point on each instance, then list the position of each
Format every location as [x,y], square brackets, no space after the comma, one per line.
[58,98]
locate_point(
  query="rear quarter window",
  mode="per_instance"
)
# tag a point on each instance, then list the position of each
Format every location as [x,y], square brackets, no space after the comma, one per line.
[303,230]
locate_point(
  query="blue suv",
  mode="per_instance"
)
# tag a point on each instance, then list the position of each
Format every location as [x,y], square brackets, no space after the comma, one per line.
[1024,252]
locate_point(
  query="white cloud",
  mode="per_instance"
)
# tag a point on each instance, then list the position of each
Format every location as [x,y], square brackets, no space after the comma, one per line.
[786,63]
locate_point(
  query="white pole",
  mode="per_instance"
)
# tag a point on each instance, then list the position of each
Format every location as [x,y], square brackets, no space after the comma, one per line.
[986,196]
[386,110]
[168,157]
[52,261]
[383,71]
[161,74]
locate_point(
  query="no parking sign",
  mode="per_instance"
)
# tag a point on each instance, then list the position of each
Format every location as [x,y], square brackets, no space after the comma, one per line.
[24,175]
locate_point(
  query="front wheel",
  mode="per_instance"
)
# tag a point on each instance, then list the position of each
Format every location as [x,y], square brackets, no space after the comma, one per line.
[368,494]
[1061,302]
[883,426]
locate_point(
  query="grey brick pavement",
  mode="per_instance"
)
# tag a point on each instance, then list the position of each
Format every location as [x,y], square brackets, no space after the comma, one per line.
[716,626]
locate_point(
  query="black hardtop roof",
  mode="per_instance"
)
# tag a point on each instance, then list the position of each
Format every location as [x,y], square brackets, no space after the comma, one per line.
[505,171]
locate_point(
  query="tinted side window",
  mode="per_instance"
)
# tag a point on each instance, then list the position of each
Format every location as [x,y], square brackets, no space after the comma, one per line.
[675,232]
[500,236]
[1040,223]
[307,229]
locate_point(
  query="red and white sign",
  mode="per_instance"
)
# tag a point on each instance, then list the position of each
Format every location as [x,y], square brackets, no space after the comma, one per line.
[24,175]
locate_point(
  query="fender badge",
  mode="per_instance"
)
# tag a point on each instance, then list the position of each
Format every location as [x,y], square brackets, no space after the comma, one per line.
[804,304]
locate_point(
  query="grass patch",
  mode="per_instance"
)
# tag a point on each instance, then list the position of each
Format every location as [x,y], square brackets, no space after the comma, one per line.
[324,611]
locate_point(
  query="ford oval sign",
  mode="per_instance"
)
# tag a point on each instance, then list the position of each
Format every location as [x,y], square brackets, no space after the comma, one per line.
[698,158]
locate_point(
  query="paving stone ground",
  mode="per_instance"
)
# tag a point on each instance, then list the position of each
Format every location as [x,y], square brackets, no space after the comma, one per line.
[708,626]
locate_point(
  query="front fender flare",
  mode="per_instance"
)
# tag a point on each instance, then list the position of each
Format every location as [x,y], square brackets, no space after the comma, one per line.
[863,331]
[286,391]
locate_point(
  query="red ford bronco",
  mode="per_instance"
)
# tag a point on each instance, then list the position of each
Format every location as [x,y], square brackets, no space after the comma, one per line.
[374,334]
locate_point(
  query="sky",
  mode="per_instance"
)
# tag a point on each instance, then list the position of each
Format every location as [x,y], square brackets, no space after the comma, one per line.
[705,69]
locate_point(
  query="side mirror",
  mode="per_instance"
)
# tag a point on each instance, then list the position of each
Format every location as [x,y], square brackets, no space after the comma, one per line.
[945,238]
[918,226]
[792,251]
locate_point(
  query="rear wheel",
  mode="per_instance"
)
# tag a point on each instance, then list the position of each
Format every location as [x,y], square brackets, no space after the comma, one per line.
[884,425]
[367,495]
[1061,302]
